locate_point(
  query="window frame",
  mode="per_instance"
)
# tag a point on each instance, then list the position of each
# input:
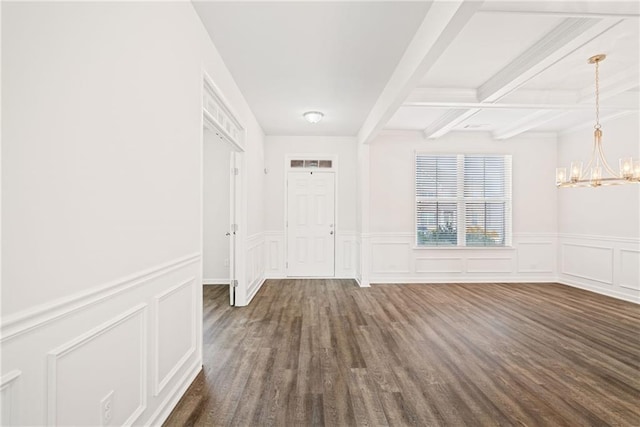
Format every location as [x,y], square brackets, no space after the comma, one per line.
[461,202]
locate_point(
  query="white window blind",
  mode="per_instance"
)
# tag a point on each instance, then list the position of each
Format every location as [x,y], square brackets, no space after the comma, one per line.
[463,200]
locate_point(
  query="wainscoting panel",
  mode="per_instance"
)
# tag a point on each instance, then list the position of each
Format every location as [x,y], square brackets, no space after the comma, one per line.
[345,254]
[8,397]
[587,261]
[72,401]
[345,257]
[396,259]
[440,265]
[275,244]
[390,257]
[495,265]
[602,264]
[134,338]
[536,257]
[630,269]
[255,263]
[175,333]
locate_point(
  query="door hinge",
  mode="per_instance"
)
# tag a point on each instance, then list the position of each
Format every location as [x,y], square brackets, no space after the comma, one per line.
[234,227]
[234,283]
[286,264]
[235,171]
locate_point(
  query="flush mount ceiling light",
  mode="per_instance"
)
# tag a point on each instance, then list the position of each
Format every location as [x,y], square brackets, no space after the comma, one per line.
[313,116]
[577,177]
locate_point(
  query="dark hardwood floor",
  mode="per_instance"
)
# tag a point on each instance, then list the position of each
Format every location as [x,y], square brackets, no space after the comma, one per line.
[325,352]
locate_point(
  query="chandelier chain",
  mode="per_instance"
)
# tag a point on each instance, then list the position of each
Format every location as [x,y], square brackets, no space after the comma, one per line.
[597,125]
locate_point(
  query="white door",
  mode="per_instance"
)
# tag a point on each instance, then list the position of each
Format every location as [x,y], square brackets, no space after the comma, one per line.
[233,228]
[310,224]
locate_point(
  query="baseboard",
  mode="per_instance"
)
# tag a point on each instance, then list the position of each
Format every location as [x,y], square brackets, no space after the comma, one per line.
[427,281]
[362,283]
[280,277]
[215,281]
[600,290]
[257,287]
[170,402]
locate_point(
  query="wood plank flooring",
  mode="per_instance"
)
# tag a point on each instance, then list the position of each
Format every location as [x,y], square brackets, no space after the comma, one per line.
[326,352]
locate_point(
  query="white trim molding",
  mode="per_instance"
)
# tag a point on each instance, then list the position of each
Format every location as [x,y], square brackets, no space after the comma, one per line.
[55,355]
[27,320]
[601,264]
[256,256]
[346,253]
[530,259]
[164,409]
[160,383]
[215,282]
[9,398]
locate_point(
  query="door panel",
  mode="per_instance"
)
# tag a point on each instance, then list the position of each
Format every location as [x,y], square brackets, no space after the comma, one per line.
[232,229]
[311,224]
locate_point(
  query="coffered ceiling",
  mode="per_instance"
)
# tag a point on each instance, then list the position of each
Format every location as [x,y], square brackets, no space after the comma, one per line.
[495,66]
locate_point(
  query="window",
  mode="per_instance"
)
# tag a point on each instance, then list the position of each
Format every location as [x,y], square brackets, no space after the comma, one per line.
[463,200]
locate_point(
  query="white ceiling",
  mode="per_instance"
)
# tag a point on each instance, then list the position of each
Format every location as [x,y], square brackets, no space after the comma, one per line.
[498,66]
[292,57]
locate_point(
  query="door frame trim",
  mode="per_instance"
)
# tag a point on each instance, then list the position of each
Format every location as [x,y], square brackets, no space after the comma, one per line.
[238,158]
[335,170]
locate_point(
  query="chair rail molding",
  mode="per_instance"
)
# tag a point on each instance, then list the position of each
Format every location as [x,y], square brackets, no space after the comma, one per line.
[27,320]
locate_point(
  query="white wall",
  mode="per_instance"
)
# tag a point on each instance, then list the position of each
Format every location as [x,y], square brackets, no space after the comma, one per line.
[599,229]
[101,207]
[216,183]
[391,249]
[344,149]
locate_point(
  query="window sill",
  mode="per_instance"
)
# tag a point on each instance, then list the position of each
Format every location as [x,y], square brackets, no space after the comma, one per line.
[464,248]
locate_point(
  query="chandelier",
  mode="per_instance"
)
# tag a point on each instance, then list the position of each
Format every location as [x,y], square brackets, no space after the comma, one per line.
[597,172]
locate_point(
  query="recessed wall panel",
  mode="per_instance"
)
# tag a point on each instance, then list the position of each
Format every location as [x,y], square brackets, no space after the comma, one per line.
[630,269]
[536,257]
[390,257]
[176,331]
[79,376]
[588,262]
[489,265]
[439,265]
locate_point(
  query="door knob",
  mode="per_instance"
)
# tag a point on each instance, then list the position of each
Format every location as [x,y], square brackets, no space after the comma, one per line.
[227,234]
[331,232]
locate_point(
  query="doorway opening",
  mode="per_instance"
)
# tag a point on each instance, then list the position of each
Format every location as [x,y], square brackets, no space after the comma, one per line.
[219,212]
[221,190]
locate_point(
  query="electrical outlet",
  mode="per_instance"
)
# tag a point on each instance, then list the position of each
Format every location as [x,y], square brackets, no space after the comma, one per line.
[106,409]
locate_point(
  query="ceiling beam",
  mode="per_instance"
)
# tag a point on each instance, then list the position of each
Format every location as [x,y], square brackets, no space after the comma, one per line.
[611,86]
[442,23]
[436,94]
[448,121]
[425,96]
[565,38]
[626,104]
[528,99]
[589,124]
[531,121]
[617,87]
[576,9]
